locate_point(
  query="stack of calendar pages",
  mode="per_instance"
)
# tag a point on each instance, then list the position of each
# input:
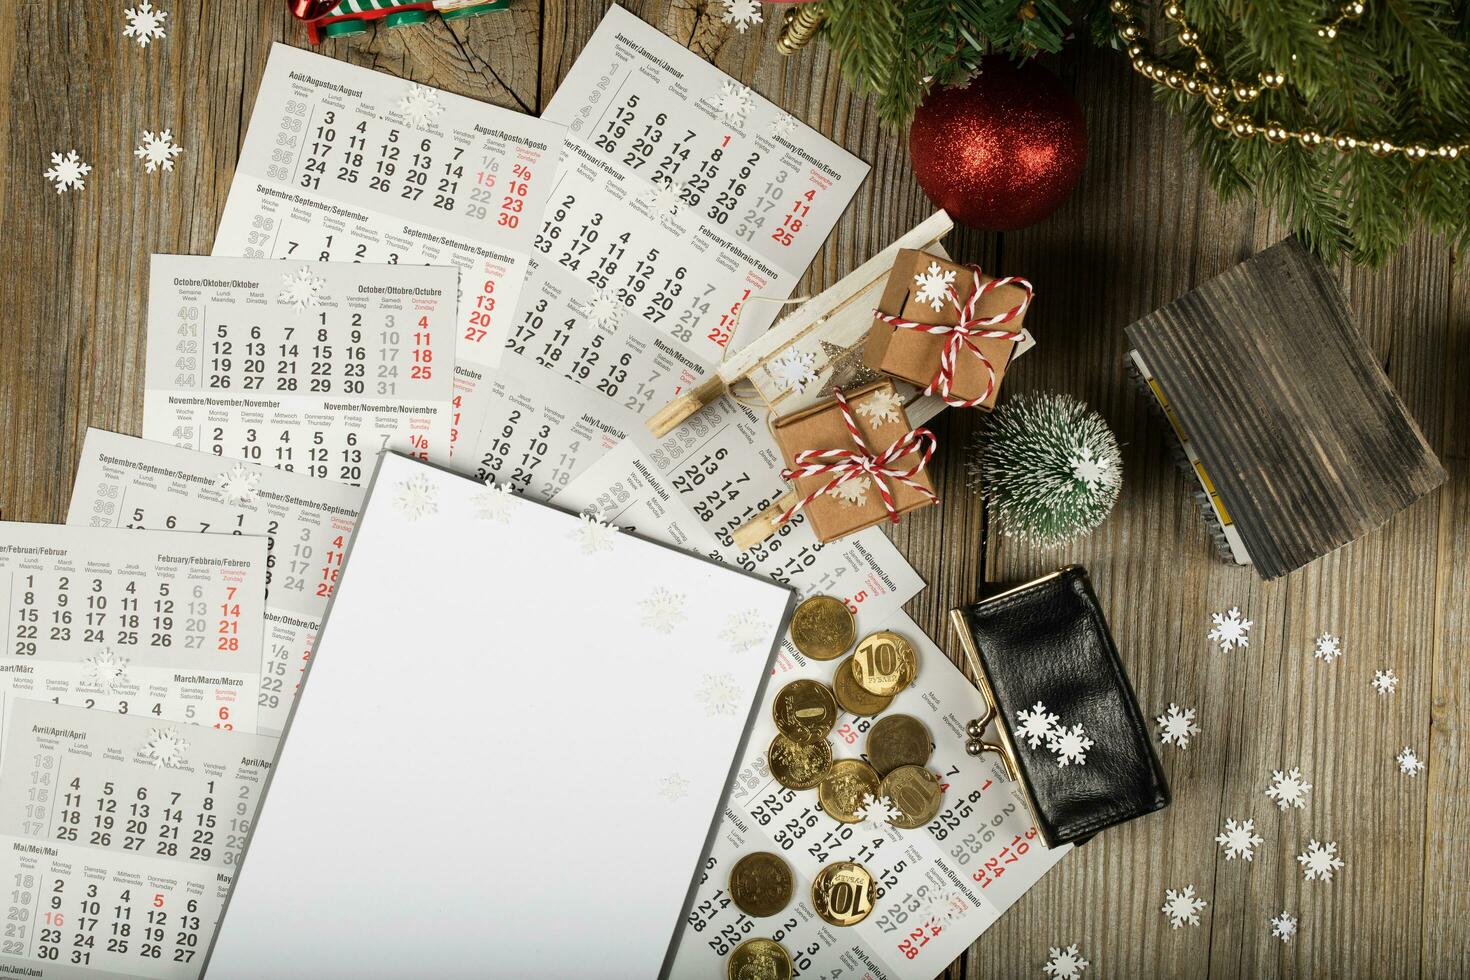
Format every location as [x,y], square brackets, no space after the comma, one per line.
[408,279]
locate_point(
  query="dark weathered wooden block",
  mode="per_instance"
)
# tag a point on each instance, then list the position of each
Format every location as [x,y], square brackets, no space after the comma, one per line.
[1274,389]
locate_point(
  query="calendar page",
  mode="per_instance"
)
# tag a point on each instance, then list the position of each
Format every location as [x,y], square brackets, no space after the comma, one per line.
[123,481]
[680,195]
[119,836]
[345,164]
[313,367]
[153,623]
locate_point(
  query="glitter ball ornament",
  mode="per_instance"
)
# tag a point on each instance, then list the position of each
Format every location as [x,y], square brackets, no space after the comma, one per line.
[1003,152]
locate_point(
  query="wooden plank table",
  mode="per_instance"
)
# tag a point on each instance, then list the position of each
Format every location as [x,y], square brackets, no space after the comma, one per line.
[1141,229]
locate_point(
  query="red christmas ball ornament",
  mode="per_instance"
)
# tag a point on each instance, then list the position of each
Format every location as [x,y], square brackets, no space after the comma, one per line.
[1003,152]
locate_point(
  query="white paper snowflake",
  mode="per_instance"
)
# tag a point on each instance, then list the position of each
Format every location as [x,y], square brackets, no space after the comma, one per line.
[1176,726]
[417,497]
[1288,789]
[107,670]
[673,787]
[944,909]
[1097,472]
[662,199]
[734,103]
[421,105]
[165,748]
[663,611]
[68,172]
[594,535]
[1036,725]
[1385,681]
[1065,964]
[742,13]
[853,491]
[301,288]
[603,309]
[934,285]
[144,23]
[719,694]
[1182,907]
[1239,840]
[881,406]
[239,484]
[782,126]
[1409,762]
[1230,630]
[1283,927]
[492,502]
[794,370]
[1069,745]
[1319,861]
[1328,648]
[744,630]
[158,151]
[877,809]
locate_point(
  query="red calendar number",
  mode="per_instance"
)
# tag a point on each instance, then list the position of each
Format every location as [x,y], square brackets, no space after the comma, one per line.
[994,867]
[795,219]
[480,316]
[229,623]
[721,334]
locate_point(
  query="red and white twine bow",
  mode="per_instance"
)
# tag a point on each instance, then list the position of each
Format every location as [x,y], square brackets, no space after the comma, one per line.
[963,334]
[860,463]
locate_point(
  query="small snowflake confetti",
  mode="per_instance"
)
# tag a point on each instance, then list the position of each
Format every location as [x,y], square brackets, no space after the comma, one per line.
[417,497]
[1182,907]
[883,405]
[1065,964]
[663,611]
[934,285]
[1283,927]
[1409,762]
[158,151]
[794,370]
[1239,840]
[239,484]
[662,199]
[493,503]
[877,809]
[603,309]
[1176,726]
[1328,648]
[853,491]
[68,172]
[720,694]
[944,909]
[594,535]
[744,630]
[1097,472]
[107,669]
[421,105]
[144,23]
[673,787]
[734,102]
[1230,630]
[1319,861]
[166,748]
[302,287]
[1385,681]
[1288,789]
[1036,725]
[742,13]
[782,126]
[1069,745]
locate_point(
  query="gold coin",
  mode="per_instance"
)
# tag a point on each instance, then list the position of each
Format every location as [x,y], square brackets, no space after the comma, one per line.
[799,765]
[843,893]
[822,628]
[804,710]
[759,959]
[761,883]
[898,740]
[914,791]
[841,790]
[852,697]
[884,664]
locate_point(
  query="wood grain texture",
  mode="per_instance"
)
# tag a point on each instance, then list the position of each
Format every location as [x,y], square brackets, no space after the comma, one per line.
[1141,230]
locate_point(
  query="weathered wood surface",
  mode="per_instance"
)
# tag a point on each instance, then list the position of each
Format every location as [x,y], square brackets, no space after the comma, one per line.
[1141,229]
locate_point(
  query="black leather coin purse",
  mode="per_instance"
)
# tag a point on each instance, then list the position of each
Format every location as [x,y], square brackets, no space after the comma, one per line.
[1067,722]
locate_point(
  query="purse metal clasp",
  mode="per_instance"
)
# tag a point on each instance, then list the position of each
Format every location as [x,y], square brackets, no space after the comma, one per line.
[975,743]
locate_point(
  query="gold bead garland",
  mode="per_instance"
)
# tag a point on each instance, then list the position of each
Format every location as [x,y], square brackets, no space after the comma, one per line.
[800,26]
[1219,93]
